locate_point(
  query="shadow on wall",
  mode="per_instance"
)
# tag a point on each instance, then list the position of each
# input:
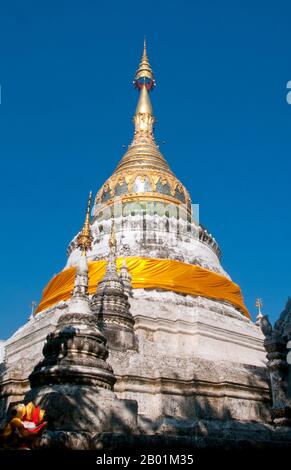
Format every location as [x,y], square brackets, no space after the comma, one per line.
[210,421]
[218,403]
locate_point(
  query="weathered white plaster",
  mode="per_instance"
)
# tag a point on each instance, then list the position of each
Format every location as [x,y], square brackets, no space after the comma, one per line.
[147,236]
[188,348]
[2,350]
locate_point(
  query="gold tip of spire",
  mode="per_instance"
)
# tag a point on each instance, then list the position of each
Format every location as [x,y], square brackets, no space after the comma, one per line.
[84,240]
[144,70]
[144,56]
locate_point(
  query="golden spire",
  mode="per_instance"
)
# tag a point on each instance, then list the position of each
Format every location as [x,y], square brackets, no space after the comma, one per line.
[144,70]
[144,105]
[143,161]
[84,240]
[144,81]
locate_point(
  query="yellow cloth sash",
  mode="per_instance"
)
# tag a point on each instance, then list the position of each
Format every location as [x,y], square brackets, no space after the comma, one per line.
[149,273]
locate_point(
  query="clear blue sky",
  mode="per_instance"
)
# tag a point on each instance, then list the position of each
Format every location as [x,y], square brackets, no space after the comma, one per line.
[66,70]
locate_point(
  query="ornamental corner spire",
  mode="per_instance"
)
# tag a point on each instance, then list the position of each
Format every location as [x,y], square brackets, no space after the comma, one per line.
[259,304]
[84,240]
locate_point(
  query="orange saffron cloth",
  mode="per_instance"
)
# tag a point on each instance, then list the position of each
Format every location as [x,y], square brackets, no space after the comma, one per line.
[149,273]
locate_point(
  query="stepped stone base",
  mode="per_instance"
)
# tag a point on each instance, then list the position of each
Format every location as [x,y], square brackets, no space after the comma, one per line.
[197,365]
[192,356]
[200,435]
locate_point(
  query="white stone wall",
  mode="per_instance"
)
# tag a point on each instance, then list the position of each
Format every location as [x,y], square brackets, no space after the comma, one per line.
[192,352]
[148,237]
[2,351]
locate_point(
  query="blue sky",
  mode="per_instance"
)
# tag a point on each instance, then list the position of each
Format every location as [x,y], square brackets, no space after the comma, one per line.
[66,70]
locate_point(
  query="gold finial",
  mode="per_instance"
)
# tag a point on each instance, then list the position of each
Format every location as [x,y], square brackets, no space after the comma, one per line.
[84,240]
[144,81]
[144,54]
[144,70]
